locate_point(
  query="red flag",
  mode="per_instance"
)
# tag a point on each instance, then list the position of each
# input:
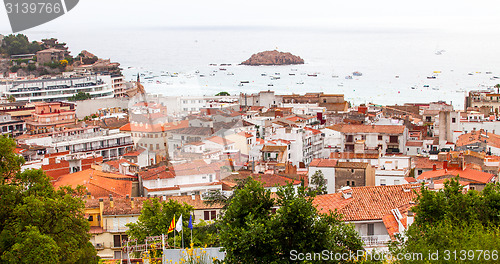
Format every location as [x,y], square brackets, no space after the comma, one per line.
[172,225]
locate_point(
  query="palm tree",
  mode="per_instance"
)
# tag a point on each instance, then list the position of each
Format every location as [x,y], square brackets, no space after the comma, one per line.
[498,88]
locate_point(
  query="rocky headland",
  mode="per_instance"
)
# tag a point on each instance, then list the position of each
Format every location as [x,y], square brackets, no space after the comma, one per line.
[273,57]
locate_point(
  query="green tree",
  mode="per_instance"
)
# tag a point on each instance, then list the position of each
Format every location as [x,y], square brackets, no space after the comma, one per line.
[223,94]
[451,219]
[80,96]
[19,44]
[156,217]
[318,183]
[37,223]
[251,233]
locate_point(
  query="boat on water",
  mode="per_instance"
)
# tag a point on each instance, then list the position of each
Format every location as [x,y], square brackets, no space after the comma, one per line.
[244,82]
[470,73]
[275,77]
[436,71]
[312,75]
[148,77]
[212,64]
[348,77]
[340,84]
[291,74]
[202,75]
[230,73]
[241,84]
[276,73]
[397,76]
[263,74]
[293,69]
[425,86]
[212,74]
[222,69]
[488,72]
[435,88]
[335,76]
[413,87]
[270,84]
[431,77]
[357,73]
[300,82]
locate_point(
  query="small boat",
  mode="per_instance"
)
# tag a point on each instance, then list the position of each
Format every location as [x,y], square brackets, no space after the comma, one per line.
[275,77]
[397,76]
[488,72]
[436,71]
[431,77]
[270,84]
[312,75]
[222,69]
[202,75]
[340,84]
[212,74]
[426,86]
[356,73]
[435,88]
[148,77]
[230,73]
[293,69]
[470,73]
[335,76]
[213,64]
[291,74]
[197,72]
[413,87]
[276,73]
[348,77]
[263,74]
[240,84]
[300,83]
[244,82]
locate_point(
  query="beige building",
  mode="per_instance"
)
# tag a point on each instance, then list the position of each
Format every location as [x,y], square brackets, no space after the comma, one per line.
[49,55]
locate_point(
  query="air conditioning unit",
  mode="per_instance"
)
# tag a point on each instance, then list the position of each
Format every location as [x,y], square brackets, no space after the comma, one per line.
[99,245]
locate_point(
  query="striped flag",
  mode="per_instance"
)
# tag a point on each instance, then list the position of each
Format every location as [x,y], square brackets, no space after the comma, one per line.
[172,225]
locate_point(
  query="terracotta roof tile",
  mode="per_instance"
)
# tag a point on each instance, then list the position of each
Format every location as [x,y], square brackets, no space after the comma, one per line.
[368,202]
[323,163]
[98,183]
[468,174]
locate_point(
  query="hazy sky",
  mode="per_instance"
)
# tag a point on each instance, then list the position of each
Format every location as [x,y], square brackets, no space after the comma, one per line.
[119,14]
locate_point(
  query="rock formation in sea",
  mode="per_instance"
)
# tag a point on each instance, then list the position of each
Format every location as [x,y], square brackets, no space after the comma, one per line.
[273,58]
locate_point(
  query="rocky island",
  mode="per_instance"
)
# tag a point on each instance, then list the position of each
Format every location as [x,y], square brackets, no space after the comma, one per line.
[273,58]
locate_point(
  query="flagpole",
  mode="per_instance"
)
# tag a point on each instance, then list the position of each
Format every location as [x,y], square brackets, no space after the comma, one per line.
[182,238]
[174,230]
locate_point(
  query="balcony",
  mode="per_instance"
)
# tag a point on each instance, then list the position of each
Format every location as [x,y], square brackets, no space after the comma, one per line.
[376,240]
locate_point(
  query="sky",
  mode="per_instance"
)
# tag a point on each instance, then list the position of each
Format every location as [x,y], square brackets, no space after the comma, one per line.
[481,15]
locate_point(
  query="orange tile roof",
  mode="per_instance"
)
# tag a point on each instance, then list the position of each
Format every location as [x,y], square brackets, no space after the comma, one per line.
[314,131]
[383,129]
[195,167]
[467,174]
[426,163]
[368,202]
[479,136]
[414,143]
[116,163]
[134,153]
[410,180]
[274,148]
[268,180]
[98,183]
[352,155]
[323,163]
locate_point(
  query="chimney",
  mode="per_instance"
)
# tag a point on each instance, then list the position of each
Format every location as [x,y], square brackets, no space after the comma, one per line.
[127,197]
[89,196]
[132,204]
[445,164]
[410,219]
[434,167]
[193,197]
[111,202]
[101,209]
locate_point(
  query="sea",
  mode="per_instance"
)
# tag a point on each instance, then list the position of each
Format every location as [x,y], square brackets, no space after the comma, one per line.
[398,65]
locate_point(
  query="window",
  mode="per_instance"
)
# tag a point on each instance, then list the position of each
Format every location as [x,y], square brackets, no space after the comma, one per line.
[379,137]
[348,183]
[117,241]
[419,172]
[453,120]
[371,230]
[382,182]
[91,218]
[118,255]
[210,215]
[352,184]
[396,182]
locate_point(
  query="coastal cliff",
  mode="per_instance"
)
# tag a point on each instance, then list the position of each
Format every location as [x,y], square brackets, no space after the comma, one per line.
[273,58]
